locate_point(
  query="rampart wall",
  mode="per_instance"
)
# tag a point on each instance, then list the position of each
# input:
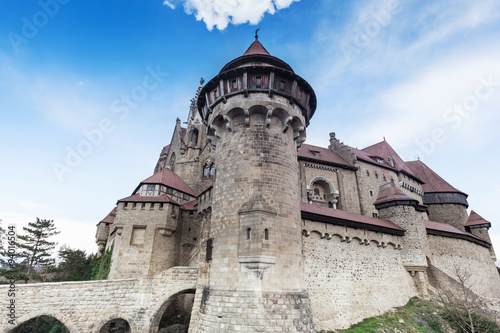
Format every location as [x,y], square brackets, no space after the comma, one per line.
[84,307]
[352,274]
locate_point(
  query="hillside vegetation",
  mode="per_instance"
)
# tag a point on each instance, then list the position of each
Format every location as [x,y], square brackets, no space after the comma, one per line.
[420,316]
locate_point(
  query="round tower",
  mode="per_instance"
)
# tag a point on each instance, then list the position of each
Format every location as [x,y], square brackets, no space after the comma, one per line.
[256,111]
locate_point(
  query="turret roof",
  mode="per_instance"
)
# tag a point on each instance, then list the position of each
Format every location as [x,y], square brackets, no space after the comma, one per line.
[476,219]
[390,192]
[256,48]
[110,218]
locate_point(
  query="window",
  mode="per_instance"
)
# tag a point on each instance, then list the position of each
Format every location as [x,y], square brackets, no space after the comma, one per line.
[170,190]
[206,170]
[208,255]
[266,234]
[371,193]
[186,196]
[216,93]
[368,173]
[249,233]
[194,136]
[380,160]
[385,179]
[282,84]
[234,85]
[258,82]
[150,189]
[376,175]
[212,170]
[316,191]
[375,215]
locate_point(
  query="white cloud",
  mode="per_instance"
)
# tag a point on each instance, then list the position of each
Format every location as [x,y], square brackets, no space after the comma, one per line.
[219,13]
[169,4]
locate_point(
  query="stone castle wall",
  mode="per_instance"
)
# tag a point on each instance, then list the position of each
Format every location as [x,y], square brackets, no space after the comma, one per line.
[84,307]
[148,242]
[453,214]
[448,254]
[352,274]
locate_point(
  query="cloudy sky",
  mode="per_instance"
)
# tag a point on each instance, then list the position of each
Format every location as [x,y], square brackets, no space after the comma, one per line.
[90,90]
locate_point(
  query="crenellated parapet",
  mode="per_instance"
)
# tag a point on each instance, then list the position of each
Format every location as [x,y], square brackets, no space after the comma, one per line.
[342,149]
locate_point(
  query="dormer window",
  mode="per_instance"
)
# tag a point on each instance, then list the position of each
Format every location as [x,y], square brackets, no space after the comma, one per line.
[234,85]
[282,84]
[380,160]
[315,153]
[216,93]
[390,161]
[258,82]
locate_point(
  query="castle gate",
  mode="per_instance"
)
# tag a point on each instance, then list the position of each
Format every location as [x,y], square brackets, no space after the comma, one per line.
[85,307]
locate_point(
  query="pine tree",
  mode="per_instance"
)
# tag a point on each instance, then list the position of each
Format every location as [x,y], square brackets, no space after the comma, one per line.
[34,246]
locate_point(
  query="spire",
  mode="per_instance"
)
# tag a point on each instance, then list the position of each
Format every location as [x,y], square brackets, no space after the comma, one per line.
[256,47]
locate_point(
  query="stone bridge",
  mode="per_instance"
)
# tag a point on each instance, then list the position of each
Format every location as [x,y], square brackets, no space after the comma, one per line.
[84,307]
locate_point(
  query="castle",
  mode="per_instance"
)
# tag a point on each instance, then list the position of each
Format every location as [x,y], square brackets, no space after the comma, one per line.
[249,229]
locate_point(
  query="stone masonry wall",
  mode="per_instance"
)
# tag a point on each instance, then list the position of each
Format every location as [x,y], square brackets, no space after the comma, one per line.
[453,214]
[347,279]
[446,254]
[149,240]
[84,307]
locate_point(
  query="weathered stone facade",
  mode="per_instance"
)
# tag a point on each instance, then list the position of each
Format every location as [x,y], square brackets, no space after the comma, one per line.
[267,234]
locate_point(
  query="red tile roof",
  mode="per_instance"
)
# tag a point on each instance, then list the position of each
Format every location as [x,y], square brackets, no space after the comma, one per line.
[443,229]
[169,178]
[324,155]
[391,192]
[311,211]
[140,198]
[476,219]
[256,48]
[433,182]
[190,205]
[383,150]
[110,218]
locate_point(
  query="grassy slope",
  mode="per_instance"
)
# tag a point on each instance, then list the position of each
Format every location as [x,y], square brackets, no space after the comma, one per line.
[416,316]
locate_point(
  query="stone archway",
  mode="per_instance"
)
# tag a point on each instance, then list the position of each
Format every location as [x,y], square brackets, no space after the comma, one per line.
[41,322]
[116,325]
[173,314]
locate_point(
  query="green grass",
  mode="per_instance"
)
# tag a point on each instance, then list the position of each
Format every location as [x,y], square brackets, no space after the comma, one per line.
[416,316]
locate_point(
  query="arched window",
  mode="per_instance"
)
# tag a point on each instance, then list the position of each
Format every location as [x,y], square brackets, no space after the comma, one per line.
[212,170]
[206,170]
[115,325]
[266,234]
[316,191]
[249,233]
[194,136]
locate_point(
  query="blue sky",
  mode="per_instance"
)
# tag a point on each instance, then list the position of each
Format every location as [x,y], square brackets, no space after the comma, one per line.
[424,74]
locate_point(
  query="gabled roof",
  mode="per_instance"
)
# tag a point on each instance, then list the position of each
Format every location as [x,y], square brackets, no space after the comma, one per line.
[168,178]
[110,218]
[159,198]
[190,205]
[475,220]
[383,150]
[340,217]
[322,155]
[446,230]
[433,182]
[391,192]
[256,48]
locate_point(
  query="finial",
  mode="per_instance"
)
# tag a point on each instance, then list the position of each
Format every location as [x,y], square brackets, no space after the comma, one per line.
[202,80]
[384,138]
[257,34]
